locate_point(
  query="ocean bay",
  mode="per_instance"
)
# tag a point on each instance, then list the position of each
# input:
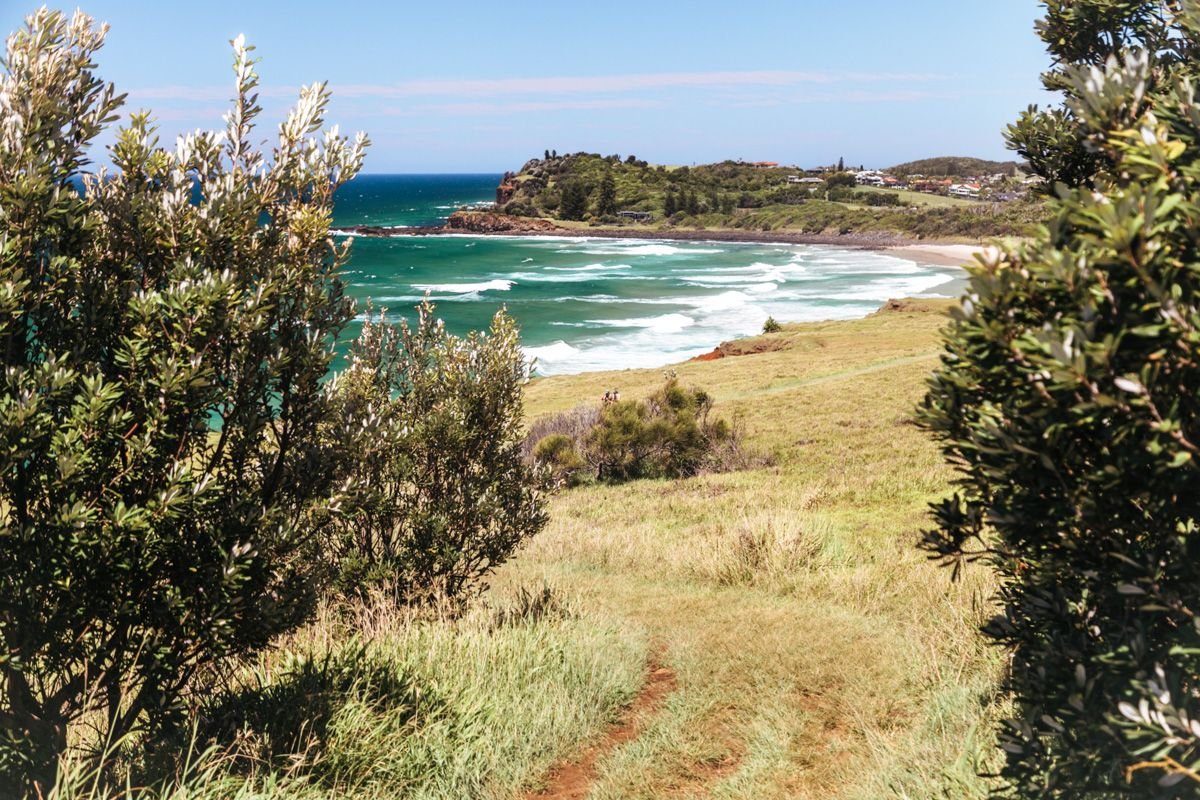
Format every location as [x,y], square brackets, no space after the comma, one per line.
[590,304]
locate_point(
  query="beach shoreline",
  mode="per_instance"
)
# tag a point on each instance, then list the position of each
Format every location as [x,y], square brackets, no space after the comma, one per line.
[935,253]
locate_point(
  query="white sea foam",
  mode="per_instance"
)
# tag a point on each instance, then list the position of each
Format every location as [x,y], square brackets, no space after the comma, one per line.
[720,302]
[571,277]
[343,232]
[624,247]
[552,353]
[498,285]
[880,290]
[666,323]
[681,303]
[589,267]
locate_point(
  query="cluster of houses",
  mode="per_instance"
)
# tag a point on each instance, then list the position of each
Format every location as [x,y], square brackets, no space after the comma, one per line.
[998,187]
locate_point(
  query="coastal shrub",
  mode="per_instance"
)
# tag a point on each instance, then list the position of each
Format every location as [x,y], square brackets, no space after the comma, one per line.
[771,326]
[442,493]
[878,199]
[842,194]
[1069,400]
[166,330]
[557,452]
[747,200]
[667,435]
[573,424]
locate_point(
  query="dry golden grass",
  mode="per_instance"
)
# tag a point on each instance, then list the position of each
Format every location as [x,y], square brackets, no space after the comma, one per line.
[819,654]
[815,652]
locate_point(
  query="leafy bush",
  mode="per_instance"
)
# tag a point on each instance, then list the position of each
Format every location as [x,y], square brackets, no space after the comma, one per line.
[878,199]
[1068,400]
[667,435]
[574,424]
[771,326]
[443,494]
[138,545]
[842,194]
[557,451]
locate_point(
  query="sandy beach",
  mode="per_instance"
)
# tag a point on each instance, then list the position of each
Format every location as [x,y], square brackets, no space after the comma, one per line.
[940,255]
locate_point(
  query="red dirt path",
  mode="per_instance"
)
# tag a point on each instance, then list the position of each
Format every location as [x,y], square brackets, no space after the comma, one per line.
[572,780]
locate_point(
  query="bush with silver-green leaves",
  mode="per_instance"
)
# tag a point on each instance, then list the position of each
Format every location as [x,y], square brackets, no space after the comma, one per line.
[1068,398]
[162,484]
[443,494]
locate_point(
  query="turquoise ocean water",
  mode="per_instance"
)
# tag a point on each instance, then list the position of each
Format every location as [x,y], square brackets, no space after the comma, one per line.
[591,304]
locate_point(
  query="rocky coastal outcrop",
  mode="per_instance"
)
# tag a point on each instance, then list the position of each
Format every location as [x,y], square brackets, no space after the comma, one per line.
[490,222]
[506,189]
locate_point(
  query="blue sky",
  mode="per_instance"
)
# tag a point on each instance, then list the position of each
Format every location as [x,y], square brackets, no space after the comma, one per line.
[482,86]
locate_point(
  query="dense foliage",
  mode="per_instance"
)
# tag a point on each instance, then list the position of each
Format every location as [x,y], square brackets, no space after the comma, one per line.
[667,435]
[1067,398]
[1084,34]
[443,494]
[138,544]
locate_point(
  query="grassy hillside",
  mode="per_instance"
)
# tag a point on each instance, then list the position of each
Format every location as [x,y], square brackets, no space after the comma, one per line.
[772,633]
[737,196]
[818,653]
[955,165]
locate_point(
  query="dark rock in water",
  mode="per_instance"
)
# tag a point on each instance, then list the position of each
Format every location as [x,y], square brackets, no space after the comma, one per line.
[370,230]
[377,230]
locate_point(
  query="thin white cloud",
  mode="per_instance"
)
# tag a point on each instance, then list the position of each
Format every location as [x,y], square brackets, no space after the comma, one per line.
[560,85]
[761,100]
[484,108]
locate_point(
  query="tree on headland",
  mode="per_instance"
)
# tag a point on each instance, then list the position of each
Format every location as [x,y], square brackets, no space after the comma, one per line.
[1067,400]
[841,167]
[141,544]
[669,204]
[606,200]
[573,205]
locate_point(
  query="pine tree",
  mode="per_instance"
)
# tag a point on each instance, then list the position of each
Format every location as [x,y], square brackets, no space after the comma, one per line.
[574,201]
[669,205]
[841,165]
[606,202]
